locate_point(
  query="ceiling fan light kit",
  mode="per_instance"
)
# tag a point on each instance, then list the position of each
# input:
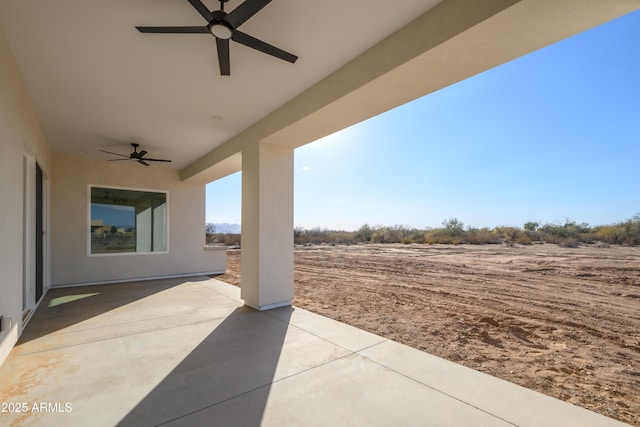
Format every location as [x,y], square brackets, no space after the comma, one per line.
[224,27]
[221,31]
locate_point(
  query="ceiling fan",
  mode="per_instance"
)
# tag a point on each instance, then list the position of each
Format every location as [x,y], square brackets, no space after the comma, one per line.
[136,155]
[224,27]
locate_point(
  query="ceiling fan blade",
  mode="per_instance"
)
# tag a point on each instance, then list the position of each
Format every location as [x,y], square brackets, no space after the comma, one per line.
[252,42]
[117,160]
[143,162]
[115,154]
[223,56]
[202,9]
[141,153]
[174,30]
[246,10]
[156,160]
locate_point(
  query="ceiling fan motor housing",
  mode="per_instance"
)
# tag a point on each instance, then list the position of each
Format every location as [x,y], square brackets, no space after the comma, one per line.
[219,27]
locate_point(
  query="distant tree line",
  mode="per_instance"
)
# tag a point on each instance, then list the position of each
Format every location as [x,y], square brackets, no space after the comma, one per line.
[215,238]
[453,231]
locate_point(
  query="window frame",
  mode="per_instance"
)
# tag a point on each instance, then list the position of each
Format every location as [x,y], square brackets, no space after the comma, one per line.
[115,187]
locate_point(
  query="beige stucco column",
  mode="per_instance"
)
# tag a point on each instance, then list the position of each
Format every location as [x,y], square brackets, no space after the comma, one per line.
[267,226]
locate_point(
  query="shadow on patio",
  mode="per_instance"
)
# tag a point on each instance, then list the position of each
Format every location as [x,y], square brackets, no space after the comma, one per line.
[240,356]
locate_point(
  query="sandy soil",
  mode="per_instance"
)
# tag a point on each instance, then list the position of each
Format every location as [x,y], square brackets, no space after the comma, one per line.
[563,321]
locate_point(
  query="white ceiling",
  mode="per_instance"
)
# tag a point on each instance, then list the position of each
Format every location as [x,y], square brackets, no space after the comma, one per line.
[95,82]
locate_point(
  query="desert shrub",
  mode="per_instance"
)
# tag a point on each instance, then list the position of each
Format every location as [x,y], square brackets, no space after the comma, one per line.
[569,234]
[608,233]
[364,233]
[481,236]
[569,242]
[389,234]
[232,239]
[437,236]
[511,235]
[317,236]
[453,227]
[622,233]
[631,231]
[381,235]
[340,237]
[534,236]
[452,232]
[416,235]
[429,238]
[524,239]
[298,232]
[587,238]
[532,230]
[551,238]
[398,232]
[567,230]
[223,239]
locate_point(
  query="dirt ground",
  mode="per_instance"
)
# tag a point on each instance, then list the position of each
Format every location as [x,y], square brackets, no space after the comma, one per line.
[563,321]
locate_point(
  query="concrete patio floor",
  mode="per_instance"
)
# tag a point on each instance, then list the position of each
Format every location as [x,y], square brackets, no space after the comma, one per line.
[186,352]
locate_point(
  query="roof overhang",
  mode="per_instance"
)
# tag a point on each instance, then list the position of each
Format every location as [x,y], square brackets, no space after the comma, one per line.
[451,42]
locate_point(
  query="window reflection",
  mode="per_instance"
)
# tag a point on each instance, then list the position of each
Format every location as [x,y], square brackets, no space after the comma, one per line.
[125,221]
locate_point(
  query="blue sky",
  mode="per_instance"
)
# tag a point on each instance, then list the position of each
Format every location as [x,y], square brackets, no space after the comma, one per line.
[120,216]
[552,135]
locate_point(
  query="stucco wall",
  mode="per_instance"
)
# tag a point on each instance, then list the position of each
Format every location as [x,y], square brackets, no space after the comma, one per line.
[20,135]
[71,263]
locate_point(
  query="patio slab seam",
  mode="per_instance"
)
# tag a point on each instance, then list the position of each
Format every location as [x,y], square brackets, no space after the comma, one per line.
[430,386]
[269,384]
[382,340]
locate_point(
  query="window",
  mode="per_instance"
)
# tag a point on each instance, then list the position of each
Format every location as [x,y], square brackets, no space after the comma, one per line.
[126,221]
